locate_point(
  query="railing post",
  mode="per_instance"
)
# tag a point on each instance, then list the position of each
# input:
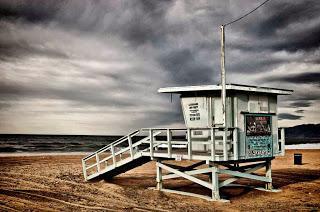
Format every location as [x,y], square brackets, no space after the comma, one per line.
[84,170]
[282,141]
[225,148]
[98,162]
[268,174]
[113,155]
[130,146]
[189,144]
[213,145]
[169,138]
[159,176]
[235,144]
[215,183]
[151,142]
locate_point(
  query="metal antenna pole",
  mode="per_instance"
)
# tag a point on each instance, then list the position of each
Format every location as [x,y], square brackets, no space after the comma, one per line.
[223,76]
[223,93]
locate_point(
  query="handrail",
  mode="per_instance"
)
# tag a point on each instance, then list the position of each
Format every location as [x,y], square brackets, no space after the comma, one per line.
[153,142]
[191,128]
[118,152]
[120,140]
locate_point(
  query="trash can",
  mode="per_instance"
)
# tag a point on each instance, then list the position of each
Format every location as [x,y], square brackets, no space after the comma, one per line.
[297,159]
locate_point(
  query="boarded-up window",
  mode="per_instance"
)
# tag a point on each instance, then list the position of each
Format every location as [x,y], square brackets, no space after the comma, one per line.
[258,104]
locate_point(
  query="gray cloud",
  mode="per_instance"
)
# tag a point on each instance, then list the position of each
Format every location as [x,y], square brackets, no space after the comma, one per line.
[301,104]
[288,116]
[104,60]
[305,78]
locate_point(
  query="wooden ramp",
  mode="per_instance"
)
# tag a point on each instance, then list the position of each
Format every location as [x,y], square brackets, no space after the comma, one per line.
[117,157]
[142,146]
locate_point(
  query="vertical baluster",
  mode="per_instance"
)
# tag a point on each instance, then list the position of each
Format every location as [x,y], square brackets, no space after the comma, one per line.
[84,170]
[113,155]
[169,138]
[189,143]
[282,142]
[130,146]
[151,142]
[98,162]
[213,145]
[235,144]
[225,147]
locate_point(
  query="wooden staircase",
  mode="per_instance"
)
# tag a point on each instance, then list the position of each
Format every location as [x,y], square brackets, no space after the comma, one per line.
[118,157]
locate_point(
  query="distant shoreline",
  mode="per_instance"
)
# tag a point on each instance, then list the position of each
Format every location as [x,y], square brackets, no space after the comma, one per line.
[25,154]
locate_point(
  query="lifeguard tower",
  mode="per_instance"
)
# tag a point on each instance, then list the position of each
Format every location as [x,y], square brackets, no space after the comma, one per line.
[230,130]
[249,142]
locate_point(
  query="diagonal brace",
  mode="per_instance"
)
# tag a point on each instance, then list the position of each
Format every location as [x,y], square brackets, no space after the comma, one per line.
[184,175]
[231,180]
[244,175]
[193,172]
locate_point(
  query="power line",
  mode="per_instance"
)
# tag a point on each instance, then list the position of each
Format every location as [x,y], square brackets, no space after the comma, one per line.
[238,19]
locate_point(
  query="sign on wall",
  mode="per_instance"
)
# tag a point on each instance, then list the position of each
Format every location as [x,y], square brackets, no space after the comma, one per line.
[258,136]
[195,111]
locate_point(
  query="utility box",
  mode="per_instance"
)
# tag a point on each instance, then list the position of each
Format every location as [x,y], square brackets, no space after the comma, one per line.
[250,109]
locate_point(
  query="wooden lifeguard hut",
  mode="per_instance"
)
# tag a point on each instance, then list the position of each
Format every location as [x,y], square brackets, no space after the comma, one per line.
[249,141]
[230,130]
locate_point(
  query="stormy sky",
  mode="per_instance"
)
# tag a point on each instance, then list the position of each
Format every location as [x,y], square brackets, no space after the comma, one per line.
[94,67]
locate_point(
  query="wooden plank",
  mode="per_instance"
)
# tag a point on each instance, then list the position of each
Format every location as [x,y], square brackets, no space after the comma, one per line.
[169,138]
[130,146]
[98,162]
[189,144]
[244,175]
[231,180]
[235,144]
[213,145]
[113,156]
[215,183]
[151,142]
[84,170]
[188,177]
[159,177]
[193,172]
[187,194]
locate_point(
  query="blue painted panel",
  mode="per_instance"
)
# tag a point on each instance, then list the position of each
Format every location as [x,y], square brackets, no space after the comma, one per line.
[259,142]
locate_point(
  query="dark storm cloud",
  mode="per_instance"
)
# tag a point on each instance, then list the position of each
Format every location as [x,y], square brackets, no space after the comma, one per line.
[288,116]
[20,49]
[82,94]
[279,15]
[112,55]
[301,104]
[299,111]
[185,68]
[303,78]
[31,10]
[306,40]
[4,105]
[276,22]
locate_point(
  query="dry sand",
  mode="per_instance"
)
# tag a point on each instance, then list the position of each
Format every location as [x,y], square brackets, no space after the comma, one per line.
[55,183]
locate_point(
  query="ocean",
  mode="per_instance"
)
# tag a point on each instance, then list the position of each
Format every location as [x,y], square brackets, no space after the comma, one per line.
[18,143]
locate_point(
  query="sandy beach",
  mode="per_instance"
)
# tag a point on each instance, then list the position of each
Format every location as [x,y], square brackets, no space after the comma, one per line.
[55,183]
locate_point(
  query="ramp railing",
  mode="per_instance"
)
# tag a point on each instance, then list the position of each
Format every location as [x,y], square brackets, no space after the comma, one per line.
[162,142]
[114,154]
[185,140]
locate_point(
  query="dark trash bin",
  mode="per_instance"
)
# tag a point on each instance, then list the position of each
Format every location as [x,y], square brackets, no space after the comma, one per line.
[297,159]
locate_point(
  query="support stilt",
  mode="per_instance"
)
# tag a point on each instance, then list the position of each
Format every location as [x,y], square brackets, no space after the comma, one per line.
[159,176]
[215,183]
[235,171]
[268,175]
